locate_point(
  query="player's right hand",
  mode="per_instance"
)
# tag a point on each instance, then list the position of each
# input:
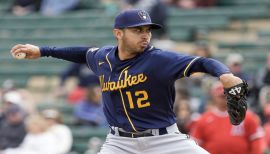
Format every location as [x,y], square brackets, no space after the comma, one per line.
[31,51]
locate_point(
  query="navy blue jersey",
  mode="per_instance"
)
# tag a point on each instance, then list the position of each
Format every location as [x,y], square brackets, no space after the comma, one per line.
[138,93]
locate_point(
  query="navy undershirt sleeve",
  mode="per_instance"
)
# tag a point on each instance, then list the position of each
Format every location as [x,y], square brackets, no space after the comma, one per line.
[210,66]
[73,54]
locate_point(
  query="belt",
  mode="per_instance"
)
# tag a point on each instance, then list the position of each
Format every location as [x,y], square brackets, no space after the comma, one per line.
[134,135]
[149,132]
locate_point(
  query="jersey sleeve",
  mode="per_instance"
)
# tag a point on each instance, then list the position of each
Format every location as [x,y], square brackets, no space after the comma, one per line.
[172,66]
[91,59]
[73,54]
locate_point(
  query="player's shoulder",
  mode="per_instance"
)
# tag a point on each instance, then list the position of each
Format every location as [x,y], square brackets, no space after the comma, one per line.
[101,51]
[160,53]
[107,48]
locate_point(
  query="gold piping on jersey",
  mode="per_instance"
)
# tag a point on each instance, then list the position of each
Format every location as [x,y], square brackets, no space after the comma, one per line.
[189,65]
[126,111]
[123,102]
[122,72]
[108,60]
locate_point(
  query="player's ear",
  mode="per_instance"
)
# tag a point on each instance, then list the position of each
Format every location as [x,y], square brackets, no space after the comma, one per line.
[118,33]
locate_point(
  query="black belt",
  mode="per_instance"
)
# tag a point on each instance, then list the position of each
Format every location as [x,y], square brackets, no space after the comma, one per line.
[162,131]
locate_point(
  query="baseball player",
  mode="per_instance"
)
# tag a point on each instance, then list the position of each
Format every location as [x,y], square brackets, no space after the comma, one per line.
[137,82]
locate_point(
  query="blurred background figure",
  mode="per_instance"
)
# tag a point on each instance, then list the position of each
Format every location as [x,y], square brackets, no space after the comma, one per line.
[61,133]
[56,7]
[185,117]
[264,96]
[263,75]
[260,91]
[37,140]
[192,4]
[217,135]
[235,63]
[10,94]
[89,111]
[12,97]
[186,4]
[84,77]
[20,98]
[262,80]
[9,99]
[7,85]
[12,128]
[266,126]
[202,49]
[24,7]
[94,145]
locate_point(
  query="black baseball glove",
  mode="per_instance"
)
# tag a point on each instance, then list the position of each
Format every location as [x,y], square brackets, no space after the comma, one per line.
[237,102]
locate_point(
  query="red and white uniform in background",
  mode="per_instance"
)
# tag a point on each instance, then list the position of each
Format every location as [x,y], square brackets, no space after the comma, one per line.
[217,135]
[266,126]
[267,134]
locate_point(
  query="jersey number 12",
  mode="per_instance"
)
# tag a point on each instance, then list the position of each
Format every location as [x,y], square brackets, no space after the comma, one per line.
[141,99]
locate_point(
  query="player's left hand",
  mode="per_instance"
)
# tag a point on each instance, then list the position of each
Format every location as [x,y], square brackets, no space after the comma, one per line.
[229,80]
[236,91]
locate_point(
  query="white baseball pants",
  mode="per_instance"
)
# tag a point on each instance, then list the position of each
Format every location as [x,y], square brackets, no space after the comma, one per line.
[171,143]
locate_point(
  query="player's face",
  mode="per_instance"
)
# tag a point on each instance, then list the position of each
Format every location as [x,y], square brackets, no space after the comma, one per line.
[136,39]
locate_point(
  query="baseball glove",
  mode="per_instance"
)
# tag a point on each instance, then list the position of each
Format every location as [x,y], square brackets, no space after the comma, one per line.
[237,102]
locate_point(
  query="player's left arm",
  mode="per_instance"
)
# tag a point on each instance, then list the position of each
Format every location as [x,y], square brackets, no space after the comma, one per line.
[235,89]
[73,54]
[214,68]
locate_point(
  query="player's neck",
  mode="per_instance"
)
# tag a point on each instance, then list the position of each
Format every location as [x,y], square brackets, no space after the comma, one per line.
[125,54]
